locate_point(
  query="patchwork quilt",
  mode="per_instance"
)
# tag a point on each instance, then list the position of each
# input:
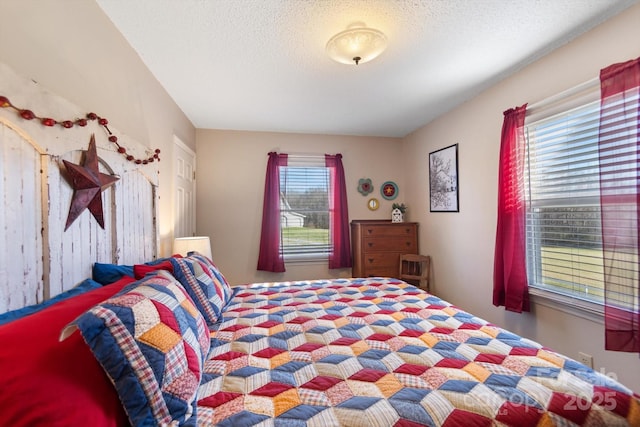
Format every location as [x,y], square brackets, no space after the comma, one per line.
[380,352]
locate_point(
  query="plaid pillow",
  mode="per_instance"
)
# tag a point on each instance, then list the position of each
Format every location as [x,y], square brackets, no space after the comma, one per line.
[226,287]
[205,284]
[152,342]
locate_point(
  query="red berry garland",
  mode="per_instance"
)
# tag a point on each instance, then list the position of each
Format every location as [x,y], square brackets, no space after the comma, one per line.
[67,124]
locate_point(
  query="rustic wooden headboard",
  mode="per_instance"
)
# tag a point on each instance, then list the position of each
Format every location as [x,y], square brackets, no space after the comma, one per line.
[39,259]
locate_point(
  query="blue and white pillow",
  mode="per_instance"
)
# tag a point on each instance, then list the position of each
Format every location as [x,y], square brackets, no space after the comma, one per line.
[205,284]
[152,342]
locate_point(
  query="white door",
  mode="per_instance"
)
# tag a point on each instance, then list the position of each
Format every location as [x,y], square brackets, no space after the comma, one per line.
[185,189]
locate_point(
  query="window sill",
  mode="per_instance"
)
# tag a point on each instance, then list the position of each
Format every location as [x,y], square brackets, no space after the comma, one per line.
[577,307]
[309,258]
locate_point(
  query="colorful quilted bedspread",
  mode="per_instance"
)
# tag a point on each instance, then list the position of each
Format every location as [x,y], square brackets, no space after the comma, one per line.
[380,352]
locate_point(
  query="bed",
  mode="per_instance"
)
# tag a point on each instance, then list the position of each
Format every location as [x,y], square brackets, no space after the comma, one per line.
[176,345]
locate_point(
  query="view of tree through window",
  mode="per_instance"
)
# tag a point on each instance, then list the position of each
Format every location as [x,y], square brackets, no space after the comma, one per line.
[304,210]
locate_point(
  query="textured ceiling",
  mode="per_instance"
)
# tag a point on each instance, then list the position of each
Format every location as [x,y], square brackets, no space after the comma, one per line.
[261,64]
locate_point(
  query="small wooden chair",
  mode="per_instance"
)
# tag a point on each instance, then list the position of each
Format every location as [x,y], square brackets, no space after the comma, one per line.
[415,268]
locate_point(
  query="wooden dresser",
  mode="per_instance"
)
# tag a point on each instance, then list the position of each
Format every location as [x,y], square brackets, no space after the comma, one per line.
[377,245]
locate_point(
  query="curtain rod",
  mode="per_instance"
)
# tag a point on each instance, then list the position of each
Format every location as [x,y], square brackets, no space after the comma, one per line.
[564,94]
[303,155]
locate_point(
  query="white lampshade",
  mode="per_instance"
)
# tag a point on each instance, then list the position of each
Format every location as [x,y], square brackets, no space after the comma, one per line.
[356,45]
[200,244]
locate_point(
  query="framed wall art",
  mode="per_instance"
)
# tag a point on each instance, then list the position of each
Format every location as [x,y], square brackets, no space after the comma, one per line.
[443,180]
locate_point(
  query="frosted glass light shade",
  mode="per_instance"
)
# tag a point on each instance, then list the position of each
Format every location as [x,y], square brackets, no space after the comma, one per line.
[356,45]
[200,244]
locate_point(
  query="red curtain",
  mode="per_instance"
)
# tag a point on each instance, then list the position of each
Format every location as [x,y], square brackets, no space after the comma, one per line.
[340,255]
[270,257]
[619,155]
[509,269]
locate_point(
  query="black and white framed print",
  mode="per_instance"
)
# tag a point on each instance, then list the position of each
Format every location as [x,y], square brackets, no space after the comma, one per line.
[443,180]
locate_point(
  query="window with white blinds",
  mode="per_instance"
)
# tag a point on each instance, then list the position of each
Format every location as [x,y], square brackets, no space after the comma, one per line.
[564,241]
[562,190]
[304,209]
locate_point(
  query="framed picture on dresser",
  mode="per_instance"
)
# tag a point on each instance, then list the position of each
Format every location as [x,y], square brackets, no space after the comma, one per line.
[443,180]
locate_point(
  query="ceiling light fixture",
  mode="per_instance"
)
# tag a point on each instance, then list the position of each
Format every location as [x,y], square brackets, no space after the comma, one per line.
[356,45]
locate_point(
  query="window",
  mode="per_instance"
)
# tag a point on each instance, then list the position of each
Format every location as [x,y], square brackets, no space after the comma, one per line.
[568,223]
[562,191]
[305,212]
[564,239]
[304,209]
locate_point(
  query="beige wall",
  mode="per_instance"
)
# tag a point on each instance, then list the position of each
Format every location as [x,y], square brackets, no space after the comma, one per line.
[230,186]
[462,244]
[73,50]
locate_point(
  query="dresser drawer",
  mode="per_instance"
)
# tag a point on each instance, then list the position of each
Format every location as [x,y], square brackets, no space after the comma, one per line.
[381,260]
[394,230]
[404,244]
[382,271]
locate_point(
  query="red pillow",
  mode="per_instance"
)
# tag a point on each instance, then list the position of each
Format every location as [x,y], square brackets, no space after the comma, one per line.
[50,383]
[140,270]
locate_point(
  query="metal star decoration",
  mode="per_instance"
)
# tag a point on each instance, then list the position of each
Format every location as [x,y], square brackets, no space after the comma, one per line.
[88,183]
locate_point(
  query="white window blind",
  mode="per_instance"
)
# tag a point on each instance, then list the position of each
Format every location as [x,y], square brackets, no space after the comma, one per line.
[563,220]
[619,180]
[564,245]
[304,208]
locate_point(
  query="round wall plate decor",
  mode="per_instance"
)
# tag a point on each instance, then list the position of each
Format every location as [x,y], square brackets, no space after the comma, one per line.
[365,186]
[389,190]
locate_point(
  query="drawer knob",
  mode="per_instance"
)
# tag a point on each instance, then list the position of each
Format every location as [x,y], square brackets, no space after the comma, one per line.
[370,244]
[370,260]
